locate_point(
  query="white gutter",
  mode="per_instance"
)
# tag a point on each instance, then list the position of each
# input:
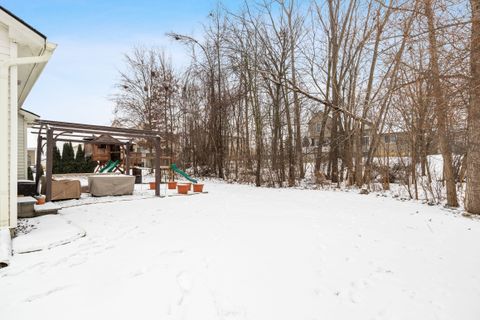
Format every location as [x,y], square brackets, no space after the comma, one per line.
[9,111]
[47,54]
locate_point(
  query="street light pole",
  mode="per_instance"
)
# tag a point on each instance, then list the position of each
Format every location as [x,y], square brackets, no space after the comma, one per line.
[217,119]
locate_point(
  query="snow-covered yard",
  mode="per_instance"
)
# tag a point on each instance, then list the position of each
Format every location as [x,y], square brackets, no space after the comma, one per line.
[241,252]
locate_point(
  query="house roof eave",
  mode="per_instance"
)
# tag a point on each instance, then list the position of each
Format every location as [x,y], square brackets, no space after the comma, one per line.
[23,22]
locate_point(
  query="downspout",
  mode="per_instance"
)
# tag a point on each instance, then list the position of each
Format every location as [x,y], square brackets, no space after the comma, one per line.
[8,203]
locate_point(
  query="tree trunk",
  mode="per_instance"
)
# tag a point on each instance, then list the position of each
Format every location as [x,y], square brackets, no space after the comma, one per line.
[440,108]
[472,199]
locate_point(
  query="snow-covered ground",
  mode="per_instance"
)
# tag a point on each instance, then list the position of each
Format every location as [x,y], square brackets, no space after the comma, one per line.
[241,252]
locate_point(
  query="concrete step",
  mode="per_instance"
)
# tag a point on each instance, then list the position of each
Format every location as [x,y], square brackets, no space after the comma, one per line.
[25,207]
[47,208]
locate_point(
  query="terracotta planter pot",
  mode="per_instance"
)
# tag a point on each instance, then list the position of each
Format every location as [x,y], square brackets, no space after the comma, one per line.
[183,188]
[152,185]
[188,184]
[172,185]
[198,187]
[41,200]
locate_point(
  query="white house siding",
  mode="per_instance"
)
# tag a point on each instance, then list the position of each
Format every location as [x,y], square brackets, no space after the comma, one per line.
[17,40]
[4,134]
[22,148]
[13,141]
[4,43]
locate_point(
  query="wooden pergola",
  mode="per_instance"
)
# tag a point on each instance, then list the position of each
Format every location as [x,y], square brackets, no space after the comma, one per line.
[53,131]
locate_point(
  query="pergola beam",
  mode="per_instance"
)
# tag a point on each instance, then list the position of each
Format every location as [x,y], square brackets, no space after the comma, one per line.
[113,134]
[83,141]
[110,130]
[81,135]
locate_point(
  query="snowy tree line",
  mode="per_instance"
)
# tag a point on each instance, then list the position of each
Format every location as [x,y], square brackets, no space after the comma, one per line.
[239,110]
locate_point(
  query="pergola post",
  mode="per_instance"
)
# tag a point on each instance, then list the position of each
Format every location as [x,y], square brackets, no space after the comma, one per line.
[127,157]
[157,166]
[38,163]
[50,142]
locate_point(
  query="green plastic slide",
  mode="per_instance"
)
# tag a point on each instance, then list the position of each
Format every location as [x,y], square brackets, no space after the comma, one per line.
[174,167]
[113,165]
[110,166]
[104,169]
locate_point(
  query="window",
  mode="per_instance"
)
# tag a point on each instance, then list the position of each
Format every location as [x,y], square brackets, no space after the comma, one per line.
[365,140]
[390,138]
[318,127]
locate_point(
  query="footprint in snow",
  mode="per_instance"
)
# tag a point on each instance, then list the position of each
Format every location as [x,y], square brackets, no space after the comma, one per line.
[184,282]
[136,273]
[77,261]
[226,310]
[185,285]
[45,294]
[354,298]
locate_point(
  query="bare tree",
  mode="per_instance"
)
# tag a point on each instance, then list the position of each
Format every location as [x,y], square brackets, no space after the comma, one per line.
[369,70]
[440,106]
[472,200]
